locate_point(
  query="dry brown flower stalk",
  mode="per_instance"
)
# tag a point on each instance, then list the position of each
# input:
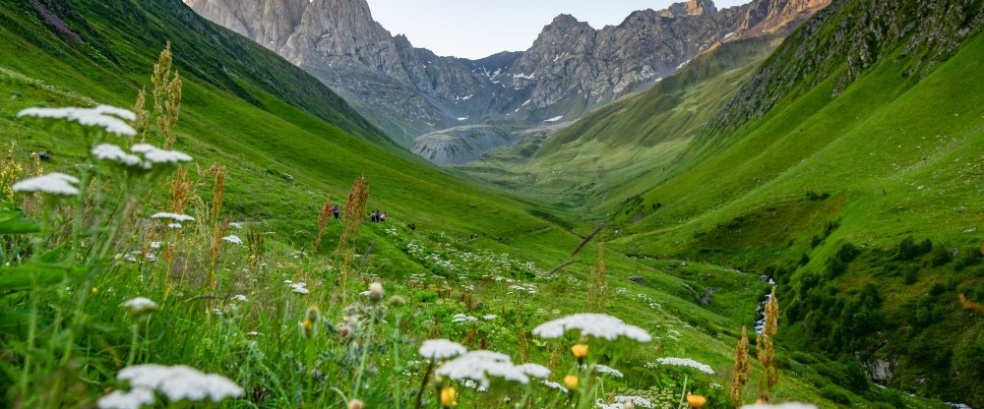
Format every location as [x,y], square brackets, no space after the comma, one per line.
[218,228]
[766,348]
[143,117]
[167,96]
[969,305]
[323,218]
[355,209]
[742,370]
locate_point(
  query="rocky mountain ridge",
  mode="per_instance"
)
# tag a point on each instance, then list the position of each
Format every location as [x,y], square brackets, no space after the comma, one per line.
[570,69]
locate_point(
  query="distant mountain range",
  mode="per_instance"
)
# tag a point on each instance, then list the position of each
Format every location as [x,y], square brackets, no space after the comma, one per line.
[570,69]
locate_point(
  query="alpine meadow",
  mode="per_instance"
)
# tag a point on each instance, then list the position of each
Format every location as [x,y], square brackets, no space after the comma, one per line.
[279,204]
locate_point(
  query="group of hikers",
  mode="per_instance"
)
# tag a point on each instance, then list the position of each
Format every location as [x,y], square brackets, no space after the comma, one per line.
[378,217]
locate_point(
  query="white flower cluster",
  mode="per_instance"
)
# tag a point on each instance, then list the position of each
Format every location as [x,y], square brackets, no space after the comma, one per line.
[592,325]
[462,318]
[53,183]
[233,239]
[173,216]
[437,349]
[478,366]
[607,370]
[787,405]
[620,402]
[239,297]
[686,362]
[140,305]
[151,155]
[300,288]
[107,117]
[178,383]
[523,288]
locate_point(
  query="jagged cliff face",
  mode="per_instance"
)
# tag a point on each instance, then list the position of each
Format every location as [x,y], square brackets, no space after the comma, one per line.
[570,68]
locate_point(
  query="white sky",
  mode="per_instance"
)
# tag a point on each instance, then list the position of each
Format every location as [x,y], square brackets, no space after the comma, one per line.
[475,29]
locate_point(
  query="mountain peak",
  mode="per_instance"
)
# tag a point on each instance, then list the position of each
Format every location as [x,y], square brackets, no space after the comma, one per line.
[689,8]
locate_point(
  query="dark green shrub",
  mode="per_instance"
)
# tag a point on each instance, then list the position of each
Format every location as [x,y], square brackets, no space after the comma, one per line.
[909,250]
[910,275]
[848,252]
[835,267]
[836,394]
[941,256]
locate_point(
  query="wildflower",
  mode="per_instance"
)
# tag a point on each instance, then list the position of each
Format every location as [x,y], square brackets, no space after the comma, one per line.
[555,385]
[180,382]
[345,332]
[300,288]
[460,318]
[397,301]
[233,239]
[787,405]
[489,317]
[479,365]
[696,401]
[308,329]
[173,216]
[110,152]
[239,297]
[607,370]
[438,349]
[54,183]
[580,351]
[592,324]
[449,397]
[95,291]
[376,291]
[355,404]
[106,117]
[155,155]
[133,399]
[627,400]
[253,334]
[686,362]
[174,225]
[534,370]
[140,305]
[570,381]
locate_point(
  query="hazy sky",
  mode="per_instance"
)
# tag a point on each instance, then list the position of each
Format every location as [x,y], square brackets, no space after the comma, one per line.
[475,29]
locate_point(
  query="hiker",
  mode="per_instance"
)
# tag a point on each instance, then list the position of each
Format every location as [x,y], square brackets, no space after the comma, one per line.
[335,211]
[382,217]
[413,227]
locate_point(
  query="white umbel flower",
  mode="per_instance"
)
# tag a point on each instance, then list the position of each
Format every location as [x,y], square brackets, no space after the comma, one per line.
[638,401]
[607,370]
[54,183]
[134,399]
[462,318]
[114,153]
[300,288]
[180,382]
[688,363]
[173,216]
[478,366]
[787,405]
[140,305]
[438,349]
[156,155]
[106,117]
[233,239]
[534,370]
[594,325]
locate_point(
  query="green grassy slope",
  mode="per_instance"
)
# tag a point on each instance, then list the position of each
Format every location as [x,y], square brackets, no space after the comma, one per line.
[610,155]
[243,106]
[848,154]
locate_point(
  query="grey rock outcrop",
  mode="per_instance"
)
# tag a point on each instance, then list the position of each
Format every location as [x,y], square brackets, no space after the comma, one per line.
[570,69]
[460,145]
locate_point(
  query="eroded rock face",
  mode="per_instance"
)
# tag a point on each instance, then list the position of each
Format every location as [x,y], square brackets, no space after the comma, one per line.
[460,145]
[570,69]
